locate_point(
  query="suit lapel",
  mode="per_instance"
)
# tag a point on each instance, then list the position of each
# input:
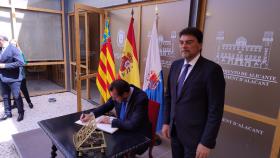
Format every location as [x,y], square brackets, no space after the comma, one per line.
[178,70]
[177,74]
[129,104]
[190,77]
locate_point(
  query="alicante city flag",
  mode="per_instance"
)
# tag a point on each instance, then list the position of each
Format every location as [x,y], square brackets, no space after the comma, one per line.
[106,68]
[129,67]
[153,77]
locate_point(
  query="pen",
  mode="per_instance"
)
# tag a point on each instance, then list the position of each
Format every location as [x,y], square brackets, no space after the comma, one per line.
[83,115]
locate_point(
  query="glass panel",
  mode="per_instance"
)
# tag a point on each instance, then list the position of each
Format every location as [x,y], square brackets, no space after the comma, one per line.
[48,4]
[167,32]
[82,39]
[39,35]
[72,38]
[73,77]
[95,95]
[4,2]
[5,22]
[44,78]
[94,41]
[84,89]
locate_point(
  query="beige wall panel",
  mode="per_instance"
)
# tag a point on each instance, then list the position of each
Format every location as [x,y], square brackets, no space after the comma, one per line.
[240,137]
[243,37]
[119,26]
[173,17]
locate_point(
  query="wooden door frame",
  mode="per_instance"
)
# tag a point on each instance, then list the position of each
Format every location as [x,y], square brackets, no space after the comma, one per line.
[88,9]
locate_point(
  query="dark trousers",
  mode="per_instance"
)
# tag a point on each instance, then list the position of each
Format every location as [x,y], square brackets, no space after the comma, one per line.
[24,91]
[7,88]
[180,150]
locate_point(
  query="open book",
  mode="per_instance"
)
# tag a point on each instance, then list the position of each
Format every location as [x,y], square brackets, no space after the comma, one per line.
[101,126]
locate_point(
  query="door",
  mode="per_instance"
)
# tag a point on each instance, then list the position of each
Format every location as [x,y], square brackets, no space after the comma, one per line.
[87,28]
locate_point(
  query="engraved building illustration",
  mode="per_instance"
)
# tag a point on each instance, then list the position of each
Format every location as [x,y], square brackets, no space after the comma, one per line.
[242,54]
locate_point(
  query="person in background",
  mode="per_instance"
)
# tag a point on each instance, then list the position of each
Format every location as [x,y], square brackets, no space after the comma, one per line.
[194,101]
[10,77]
[23,86]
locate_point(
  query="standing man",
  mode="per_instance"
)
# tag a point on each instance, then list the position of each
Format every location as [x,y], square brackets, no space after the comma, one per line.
[194,100]
[10,77]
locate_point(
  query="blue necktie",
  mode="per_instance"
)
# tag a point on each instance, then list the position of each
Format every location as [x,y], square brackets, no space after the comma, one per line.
[182,79]
[123,109]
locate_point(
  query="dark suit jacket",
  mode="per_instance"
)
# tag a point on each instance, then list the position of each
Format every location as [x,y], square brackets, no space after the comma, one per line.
[13,60]
[199,109]
[136,117]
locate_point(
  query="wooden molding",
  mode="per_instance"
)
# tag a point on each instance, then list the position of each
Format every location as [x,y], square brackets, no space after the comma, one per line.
[86,77]
[40,10]
[64,45]
[80,6]
[45,63]
[276,140]
[46,93]
[202,14]
[78,57]
[251,115]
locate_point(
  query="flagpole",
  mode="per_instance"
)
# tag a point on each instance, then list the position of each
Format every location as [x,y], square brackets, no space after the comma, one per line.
[156,10]
[158,140]
[132,12]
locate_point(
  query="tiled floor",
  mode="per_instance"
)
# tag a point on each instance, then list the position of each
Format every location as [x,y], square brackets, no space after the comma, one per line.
[65,104]
[161,151]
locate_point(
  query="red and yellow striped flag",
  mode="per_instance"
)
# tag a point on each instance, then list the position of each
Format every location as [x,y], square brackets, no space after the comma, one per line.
[129,68]
[106,68]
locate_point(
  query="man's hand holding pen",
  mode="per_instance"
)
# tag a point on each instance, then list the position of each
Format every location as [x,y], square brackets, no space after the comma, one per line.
[86,117]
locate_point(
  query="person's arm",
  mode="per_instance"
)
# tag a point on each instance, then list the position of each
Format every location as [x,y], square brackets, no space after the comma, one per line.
[108,106]
[18,60]
[216,96]
[165,128]
[167,98]
[138,115]
[101,110]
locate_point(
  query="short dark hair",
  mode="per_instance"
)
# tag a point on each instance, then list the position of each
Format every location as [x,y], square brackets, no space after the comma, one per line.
[4,38]
[193,32]
[121,86]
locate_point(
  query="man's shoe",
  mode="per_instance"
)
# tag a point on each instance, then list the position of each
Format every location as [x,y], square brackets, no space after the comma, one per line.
[5,116]
[157,140]
[20,117]
[30,105]
[13,106]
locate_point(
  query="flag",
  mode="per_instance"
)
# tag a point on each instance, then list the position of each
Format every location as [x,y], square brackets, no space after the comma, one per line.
[106,68]
[129,67]
[153,77]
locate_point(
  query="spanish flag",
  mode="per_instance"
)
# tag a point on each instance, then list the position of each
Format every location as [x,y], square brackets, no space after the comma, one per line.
[106,68]
[129,68]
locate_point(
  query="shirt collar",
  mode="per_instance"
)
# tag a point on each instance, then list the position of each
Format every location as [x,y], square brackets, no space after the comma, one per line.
[193,61]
